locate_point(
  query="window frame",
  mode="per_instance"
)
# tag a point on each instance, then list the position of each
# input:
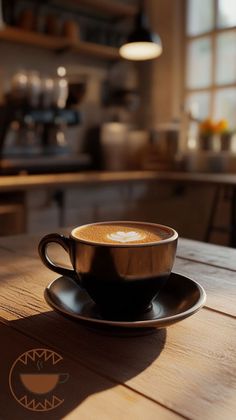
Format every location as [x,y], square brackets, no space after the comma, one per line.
[213,87]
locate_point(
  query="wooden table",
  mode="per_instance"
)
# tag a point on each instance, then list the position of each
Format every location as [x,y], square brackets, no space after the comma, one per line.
[185,371]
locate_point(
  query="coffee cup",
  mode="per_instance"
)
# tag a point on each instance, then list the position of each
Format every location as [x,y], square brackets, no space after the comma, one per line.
[122,265]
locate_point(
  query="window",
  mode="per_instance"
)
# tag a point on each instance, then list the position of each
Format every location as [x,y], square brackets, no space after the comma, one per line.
[210,82]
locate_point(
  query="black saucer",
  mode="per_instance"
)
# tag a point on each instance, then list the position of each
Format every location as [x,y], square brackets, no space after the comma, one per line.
[180,298]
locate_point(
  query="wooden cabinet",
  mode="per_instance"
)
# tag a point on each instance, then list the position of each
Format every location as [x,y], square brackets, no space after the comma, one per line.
[12,214]
[42,211]
[96,203]
[50,209]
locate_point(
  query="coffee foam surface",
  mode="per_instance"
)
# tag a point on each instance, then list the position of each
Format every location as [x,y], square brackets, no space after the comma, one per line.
[122,233]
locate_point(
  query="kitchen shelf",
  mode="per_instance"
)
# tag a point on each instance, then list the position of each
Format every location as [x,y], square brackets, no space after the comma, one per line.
[107,7]
[20,36]
[54,43]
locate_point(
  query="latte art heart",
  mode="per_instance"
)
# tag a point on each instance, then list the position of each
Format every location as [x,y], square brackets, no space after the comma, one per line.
[123,237]
[122,233]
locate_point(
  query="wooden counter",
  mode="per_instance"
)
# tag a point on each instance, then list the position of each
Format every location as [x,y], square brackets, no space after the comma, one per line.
[54,200]
[26,182]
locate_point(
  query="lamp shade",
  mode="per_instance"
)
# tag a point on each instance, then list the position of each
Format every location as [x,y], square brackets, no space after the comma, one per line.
[141,44]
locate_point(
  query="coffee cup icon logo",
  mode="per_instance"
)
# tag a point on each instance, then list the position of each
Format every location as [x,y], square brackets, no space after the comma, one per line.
[41,383]
[35,380]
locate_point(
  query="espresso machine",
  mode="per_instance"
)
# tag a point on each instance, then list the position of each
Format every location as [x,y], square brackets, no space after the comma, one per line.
[33,126]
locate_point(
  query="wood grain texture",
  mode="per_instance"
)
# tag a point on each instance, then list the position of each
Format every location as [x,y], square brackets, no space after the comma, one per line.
[197,353]
[85,393]
[215,255]
[220,284]
[189,368]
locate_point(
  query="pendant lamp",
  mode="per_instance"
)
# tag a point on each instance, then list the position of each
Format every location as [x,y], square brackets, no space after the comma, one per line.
[141,44]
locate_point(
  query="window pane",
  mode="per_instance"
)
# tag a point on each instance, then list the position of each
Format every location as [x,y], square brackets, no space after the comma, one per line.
[225,105]
[226,13]
[199,104]
[199,63]
[226,57]
[200,16]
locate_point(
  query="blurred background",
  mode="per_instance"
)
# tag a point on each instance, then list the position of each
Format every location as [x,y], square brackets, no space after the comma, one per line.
[75,99]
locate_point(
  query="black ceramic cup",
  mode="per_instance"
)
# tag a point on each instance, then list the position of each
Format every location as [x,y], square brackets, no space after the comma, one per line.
[121,278]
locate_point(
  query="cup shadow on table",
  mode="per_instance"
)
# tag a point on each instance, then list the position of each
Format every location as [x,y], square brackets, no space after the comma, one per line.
[86,356]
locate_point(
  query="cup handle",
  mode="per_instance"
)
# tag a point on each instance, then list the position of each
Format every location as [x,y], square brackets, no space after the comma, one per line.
[64,378]
[65,243]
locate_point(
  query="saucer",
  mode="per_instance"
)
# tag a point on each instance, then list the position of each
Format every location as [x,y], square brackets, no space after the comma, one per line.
[180,298]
